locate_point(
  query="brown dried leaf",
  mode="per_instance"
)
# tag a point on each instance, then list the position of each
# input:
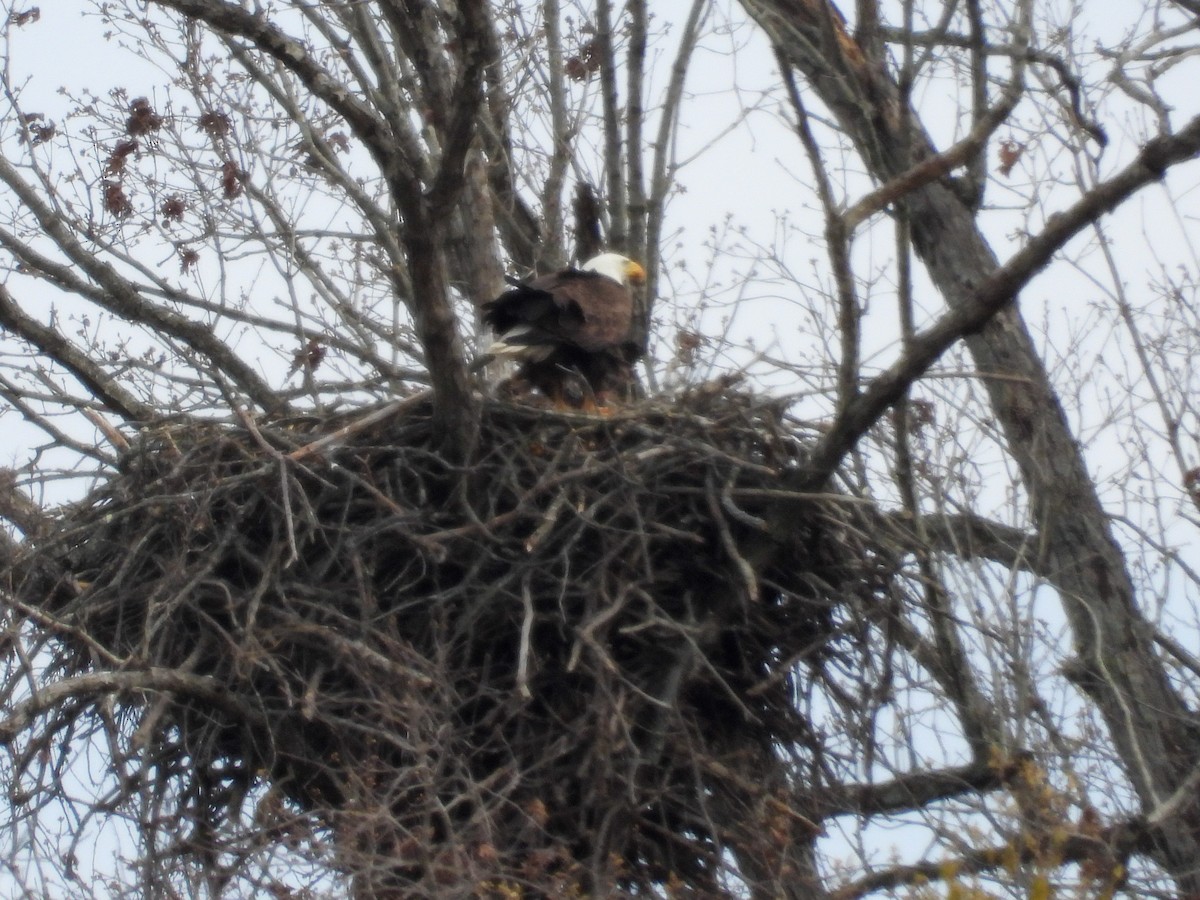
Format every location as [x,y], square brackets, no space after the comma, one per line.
[686,345]
[28,17]
[536,810]
[187,258]
[173,209]
[142,118]
[115,164]
[41,134]
[115,200]
[575,68]
[1191,479]
[231,180]
[309,357]
[1010,154]
[584,64]
[35,131]
[590,54]
[921,414]
[217,124]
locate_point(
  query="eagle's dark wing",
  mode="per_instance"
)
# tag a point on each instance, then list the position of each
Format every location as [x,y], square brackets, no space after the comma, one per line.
[570,331]
[573,308]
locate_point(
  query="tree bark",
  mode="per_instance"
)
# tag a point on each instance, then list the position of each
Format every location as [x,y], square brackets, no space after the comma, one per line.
[1153,731]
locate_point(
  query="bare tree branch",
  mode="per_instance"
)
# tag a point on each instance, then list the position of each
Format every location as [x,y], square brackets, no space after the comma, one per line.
[998,290]
[423,221]
[57,347]
[914,790]
[152,680]
[121,297]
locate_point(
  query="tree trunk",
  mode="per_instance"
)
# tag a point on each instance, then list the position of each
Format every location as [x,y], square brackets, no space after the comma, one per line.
[1116,666]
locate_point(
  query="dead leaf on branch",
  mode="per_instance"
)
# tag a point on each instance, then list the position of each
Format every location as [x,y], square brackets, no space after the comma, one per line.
[1191,481]
[339,142]
[686,344]
[173,209]
[35,131]
[585,64]
[216,124]
[115,164]
[309,357]
[1010,155]
[27,17]
[231,180]
[142,118]
[187,258]
[115,199]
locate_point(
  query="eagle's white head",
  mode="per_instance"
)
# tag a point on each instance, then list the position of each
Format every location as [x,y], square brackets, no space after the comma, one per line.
[621,269]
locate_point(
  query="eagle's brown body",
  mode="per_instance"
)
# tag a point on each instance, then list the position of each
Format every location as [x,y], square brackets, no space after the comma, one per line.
[571,331]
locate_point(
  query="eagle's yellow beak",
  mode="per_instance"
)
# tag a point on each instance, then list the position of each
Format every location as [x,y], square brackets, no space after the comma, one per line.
[634,274]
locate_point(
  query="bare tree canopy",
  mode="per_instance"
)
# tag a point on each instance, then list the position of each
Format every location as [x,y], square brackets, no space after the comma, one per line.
[885,584]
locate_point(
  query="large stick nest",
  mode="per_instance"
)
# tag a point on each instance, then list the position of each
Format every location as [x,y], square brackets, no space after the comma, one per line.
[546,669]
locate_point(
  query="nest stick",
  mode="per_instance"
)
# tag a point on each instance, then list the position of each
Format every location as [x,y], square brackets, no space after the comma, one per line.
[395,408]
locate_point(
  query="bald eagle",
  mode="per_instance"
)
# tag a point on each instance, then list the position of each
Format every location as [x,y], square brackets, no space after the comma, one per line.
[571,331]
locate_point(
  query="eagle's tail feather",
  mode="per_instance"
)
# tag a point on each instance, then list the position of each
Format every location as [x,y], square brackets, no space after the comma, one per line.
[521,343]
